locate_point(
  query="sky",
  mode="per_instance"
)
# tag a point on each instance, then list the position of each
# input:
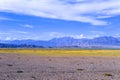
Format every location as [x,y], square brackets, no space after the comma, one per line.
[47,19]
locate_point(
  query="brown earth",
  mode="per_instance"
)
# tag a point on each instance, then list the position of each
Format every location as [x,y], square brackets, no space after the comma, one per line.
[26,67]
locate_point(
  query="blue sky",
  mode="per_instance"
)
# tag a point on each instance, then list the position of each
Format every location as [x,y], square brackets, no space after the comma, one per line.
[47,19]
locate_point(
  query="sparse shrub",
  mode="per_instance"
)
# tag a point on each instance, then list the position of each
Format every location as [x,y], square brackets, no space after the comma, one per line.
[80,69]
[33,77]
[50,60]
[92,63]
[19,71]
[9,65]
[108,74]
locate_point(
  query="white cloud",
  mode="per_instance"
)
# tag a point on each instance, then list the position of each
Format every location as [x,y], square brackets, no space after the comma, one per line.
[78,36]
[20,32]
[27,26]
[55,34]
[9,38]
[21,35]
[98,32]
[13,32]
[87,11]
[13,35]
[4,18]
[58,35]
[91,35]
[4,33]
[117,35]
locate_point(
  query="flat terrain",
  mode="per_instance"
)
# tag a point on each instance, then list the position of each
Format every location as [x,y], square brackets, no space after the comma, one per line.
[62,52]
[35,64]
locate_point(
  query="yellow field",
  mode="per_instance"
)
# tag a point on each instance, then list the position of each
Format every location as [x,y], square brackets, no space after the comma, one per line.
[62,52]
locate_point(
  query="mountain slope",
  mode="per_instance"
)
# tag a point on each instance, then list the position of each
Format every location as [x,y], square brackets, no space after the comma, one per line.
[99,42]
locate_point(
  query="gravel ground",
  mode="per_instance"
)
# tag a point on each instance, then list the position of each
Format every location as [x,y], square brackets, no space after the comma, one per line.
[26,67]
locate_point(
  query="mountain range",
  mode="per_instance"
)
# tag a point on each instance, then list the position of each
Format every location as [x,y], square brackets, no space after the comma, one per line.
[64,42]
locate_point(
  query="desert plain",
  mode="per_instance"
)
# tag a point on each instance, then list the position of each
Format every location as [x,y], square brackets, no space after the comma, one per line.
[59,64]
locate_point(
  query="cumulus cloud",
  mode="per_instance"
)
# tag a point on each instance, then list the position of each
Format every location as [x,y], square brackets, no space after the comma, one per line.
[87,11]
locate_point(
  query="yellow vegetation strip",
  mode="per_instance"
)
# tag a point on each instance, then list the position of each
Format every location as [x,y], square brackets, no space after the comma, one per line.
[62,52]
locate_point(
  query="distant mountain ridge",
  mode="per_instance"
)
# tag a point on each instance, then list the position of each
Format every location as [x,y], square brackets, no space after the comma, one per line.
[18,46]
[68,42]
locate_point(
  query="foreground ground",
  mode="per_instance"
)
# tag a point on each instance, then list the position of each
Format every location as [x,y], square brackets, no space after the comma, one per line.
[33,67]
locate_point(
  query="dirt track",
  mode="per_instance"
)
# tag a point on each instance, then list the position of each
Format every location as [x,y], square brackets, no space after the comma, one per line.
[24,67]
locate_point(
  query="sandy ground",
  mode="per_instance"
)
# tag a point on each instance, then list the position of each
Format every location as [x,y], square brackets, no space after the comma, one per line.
[24,67]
